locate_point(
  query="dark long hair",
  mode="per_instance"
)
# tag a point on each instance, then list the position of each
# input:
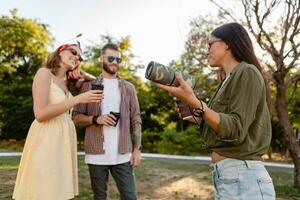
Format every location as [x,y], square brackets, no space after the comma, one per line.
[239,42]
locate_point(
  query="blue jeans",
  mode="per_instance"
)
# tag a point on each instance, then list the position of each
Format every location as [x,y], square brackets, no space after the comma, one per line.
[242,179]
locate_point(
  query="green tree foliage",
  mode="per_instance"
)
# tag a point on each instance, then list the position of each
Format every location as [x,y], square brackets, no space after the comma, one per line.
[158,114]
[157,107]
[127,68]
[293,99]
[194,58]
[23,48]
[185,142]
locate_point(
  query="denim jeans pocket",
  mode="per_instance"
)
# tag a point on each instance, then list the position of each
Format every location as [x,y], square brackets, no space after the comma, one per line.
[228,188]
[266,188]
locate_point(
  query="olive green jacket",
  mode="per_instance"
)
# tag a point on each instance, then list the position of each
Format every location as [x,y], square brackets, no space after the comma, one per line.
[245,125]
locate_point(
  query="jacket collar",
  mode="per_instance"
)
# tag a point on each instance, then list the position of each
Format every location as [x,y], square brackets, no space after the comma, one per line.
[100,78]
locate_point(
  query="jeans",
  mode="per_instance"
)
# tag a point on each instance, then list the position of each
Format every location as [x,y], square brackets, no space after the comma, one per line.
[242,179]
[123,176]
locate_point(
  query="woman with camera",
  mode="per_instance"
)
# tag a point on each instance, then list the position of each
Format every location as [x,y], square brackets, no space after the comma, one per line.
[236,124]
[48,167]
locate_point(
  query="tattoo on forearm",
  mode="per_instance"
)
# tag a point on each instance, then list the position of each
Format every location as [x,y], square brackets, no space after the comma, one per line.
[136,136]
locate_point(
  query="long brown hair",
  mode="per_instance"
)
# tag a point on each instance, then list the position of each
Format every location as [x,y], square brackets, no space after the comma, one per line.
[54,58]
[53,63]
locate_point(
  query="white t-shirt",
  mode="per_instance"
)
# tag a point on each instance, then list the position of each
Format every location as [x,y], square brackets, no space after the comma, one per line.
[111,102]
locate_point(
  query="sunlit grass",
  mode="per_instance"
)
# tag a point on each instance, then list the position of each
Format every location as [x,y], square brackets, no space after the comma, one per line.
[156,179]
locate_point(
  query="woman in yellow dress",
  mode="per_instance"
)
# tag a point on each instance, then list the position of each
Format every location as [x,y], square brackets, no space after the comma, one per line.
[48,167]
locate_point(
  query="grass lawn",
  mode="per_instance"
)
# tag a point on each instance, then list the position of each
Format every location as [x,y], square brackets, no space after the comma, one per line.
[155,180]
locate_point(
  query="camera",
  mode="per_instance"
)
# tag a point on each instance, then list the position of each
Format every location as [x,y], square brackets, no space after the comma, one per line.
[97,86]
[165,75]
[184,109]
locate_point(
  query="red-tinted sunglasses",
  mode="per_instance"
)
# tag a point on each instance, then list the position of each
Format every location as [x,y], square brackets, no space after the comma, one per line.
[69,48]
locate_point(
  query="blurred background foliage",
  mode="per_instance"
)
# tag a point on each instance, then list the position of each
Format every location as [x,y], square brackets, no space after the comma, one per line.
[24,45]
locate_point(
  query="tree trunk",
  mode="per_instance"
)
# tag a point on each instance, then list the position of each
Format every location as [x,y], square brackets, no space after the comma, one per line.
[289,135]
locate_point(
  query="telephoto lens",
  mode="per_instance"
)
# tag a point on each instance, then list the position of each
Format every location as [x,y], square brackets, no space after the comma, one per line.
[165,75]
[97,86]
[117,116]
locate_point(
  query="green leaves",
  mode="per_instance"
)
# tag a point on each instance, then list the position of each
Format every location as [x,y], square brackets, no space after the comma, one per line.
[185,142]
[23,49]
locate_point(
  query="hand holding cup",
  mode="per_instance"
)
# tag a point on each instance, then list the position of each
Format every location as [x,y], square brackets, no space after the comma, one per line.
[116,115]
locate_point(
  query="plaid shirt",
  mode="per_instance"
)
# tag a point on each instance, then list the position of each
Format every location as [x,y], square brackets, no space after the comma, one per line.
[130,116]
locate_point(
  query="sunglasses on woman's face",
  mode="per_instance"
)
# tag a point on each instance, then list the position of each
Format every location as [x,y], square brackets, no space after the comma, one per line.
[69,48]
[75,53]
[111,59]
[211,42]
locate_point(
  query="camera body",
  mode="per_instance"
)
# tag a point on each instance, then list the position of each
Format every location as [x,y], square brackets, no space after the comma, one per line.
[165,75]
[184,109]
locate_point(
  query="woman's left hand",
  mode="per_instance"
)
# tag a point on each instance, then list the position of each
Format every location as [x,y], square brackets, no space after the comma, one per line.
[183,91]
[76,73]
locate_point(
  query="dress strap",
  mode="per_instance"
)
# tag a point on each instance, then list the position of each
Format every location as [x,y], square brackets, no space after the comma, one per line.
[51,77]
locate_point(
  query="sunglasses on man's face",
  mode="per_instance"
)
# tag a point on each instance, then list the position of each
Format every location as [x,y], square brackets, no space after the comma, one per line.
[111,59]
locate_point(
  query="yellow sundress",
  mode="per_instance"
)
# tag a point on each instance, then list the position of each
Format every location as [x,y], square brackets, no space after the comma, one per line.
[48,167]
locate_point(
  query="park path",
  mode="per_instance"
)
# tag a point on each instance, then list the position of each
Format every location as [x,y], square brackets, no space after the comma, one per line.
[177,158]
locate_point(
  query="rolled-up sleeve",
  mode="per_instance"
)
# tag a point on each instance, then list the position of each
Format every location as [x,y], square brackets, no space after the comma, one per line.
[135,114]
[246,95]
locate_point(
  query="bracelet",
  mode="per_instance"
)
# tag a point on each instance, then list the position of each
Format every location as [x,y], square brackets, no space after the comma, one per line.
[199,112]
[94,120]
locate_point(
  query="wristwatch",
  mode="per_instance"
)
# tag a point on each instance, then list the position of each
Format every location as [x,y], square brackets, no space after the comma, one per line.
[94,120]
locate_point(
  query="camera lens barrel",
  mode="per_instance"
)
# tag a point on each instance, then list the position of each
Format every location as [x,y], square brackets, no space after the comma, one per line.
[165,75]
